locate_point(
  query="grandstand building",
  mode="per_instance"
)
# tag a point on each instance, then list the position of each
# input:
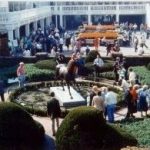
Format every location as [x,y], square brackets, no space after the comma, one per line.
[19,18]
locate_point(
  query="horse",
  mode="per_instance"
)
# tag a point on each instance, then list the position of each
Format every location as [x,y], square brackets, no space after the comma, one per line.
[64,73]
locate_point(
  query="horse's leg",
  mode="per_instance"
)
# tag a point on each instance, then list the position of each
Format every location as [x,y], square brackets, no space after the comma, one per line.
[62,83]
[68,85]
[76,84]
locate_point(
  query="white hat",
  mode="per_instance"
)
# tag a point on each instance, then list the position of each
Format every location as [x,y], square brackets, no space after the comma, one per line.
[21,63]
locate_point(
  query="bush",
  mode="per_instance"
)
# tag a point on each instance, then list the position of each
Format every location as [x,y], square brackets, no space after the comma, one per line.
[35,74]
[139,127]
[143,73]
[46,64]
[117,54]
[91,56]
[148,66]
[18,129]
[85,128]
[106,68]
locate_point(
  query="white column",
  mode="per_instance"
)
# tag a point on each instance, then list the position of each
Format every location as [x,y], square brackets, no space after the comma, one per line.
[89,19]
[35,25]
[17,33]
[61,20]
[10,35]
[117,13]
[117,18]
[42,24]
[47,21]
[148,14]
[89,15]
[27,29]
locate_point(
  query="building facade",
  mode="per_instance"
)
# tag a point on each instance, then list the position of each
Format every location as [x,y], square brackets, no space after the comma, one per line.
[17,17]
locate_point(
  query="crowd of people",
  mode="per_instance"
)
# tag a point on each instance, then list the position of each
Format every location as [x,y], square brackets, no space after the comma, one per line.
[51,40]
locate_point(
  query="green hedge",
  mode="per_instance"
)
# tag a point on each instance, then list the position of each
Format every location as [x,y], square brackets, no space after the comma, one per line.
[144,74]
[35,74]
[106,68]
[18,130]
[46,64]
[140,129]
[85,128]
[91,56]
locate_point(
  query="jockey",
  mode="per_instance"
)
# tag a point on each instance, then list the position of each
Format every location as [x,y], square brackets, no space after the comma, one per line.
[72,65]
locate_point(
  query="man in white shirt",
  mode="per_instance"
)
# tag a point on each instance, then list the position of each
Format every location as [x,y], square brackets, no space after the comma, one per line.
[132,76]
[98,63]
[110,102]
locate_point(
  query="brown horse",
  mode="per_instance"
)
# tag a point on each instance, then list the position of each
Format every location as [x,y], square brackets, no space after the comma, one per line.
[68,74]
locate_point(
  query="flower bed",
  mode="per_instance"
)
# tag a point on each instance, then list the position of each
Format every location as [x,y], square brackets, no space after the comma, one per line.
[37,103]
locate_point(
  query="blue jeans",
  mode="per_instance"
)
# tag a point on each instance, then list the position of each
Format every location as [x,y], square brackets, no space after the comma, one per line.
[21,79]
[110,112]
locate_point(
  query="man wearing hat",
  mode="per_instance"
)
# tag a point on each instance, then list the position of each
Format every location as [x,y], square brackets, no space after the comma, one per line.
[21,74]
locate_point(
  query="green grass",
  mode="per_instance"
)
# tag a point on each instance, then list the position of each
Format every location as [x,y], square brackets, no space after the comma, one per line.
[143,73]
[140,130]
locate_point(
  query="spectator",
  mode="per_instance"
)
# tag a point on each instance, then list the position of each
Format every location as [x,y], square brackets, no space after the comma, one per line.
[124,85]
[116,47]
[125,65]
[110,102]
[135,42]
[53,110]
[2,91]
[98,63]
[87,50]
[143,105]
[94,92]
[98,103]
[21,74]
[130,104]
[116,67]
[80,63]
[121,72]
[132,76]
[27,53]
[140,50]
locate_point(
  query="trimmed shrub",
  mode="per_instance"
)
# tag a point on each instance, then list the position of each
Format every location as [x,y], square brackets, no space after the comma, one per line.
[18,130]
[139,127]
[46,64]
[148,66]
[85,128]
[143,73]
[106,68]
[117,54]
[35,74]
[91,56]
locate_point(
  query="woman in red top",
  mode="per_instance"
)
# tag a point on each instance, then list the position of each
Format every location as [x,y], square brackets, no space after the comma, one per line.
[134,94]
[21,74]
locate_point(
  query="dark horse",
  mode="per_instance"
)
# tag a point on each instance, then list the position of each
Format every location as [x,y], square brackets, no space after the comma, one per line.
[68,74]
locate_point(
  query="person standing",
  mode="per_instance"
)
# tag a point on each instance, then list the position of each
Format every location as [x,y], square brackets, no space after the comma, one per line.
[21,74]
[2,91]
[53,110]
[130,105]
[116,67]
[98,103]
[110,103]
[98,64]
